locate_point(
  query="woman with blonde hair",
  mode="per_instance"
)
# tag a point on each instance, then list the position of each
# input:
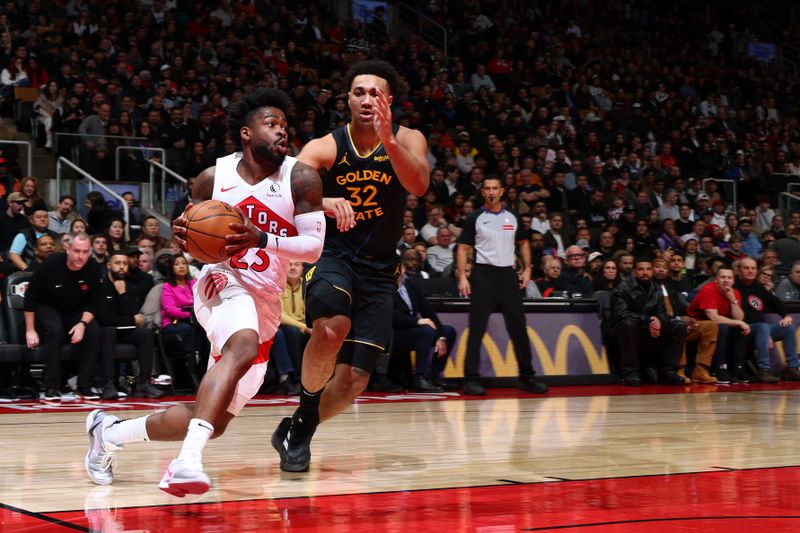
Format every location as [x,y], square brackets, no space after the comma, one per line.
[29,187]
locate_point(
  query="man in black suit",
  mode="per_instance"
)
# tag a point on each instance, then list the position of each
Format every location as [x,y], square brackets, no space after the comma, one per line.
[416,327]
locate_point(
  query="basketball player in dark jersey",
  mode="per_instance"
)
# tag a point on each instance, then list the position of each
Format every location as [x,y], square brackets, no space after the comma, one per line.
[368,167]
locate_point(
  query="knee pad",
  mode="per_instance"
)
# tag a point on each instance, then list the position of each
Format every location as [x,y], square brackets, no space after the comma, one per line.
[324,300]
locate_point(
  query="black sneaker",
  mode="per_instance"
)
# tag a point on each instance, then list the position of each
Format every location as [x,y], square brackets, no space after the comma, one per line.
[443,383]
[473,388]
[765,376]
[739,375]
[292,441]
[421,384]
[288,388]
[632,379]
[148,390]
[382,383]
[124,386]
[531,384]
[723,378]
[52,395]
[109,391]
[86,393]
[670,377]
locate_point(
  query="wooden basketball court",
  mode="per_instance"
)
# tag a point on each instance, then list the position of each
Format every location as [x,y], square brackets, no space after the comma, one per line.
[594,459]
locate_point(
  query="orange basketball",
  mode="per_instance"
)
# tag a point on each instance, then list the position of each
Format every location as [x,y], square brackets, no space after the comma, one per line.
[205,232]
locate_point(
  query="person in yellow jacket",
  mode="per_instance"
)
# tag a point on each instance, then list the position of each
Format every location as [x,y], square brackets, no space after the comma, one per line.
[293,327]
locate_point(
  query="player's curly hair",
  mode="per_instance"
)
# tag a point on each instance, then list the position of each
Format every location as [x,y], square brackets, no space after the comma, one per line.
[376,67]
[241,111]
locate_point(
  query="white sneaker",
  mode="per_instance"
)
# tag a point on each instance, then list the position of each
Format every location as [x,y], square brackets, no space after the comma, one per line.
[101,454]
[184,477]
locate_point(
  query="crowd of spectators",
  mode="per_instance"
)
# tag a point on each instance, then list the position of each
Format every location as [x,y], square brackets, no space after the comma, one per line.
[602,120]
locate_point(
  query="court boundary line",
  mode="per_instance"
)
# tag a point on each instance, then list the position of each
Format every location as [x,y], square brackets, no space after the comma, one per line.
[45,517]
[651,520]
[468,487]
[369,398]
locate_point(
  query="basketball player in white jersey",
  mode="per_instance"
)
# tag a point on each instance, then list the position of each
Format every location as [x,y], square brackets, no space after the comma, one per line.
[236,301]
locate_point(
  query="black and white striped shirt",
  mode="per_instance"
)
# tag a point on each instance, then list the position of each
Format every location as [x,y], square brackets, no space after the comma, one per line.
[493,235]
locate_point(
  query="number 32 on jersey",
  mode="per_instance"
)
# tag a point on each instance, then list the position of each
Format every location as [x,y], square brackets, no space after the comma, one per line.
[362,199]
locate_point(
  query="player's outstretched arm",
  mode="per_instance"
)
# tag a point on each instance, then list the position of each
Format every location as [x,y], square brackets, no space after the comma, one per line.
[202,191]
[320,154]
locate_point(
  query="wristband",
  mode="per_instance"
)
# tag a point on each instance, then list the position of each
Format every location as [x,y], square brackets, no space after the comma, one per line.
[263,238]
[83,322]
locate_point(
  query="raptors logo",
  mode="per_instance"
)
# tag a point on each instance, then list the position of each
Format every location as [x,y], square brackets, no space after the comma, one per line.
[755,302]
[216,282]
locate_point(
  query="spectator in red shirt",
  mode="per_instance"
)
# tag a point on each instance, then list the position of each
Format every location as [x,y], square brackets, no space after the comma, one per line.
[665,157]
[720,303]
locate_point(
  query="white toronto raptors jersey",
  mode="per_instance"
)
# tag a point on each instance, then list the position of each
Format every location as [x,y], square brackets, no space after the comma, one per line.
[269,205]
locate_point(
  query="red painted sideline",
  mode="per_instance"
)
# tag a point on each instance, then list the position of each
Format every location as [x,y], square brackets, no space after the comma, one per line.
[710,502]
[24,522]
[137,404]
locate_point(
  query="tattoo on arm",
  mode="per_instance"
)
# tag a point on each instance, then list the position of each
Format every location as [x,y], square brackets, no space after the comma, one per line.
[306,189]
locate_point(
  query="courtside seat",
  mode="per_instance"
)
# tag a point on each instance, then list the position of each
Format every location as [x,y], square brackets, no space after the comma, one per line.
[12,366]
[15,304]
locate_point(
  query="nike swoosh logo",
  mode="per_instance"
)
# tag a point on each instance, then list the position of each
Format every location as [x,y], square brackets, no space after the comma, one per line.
[226,189]
[59,286]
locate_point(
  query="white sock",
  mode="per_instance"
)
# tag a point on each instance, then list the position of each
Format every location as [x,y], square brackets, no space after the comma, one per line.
[196,438]
[122,431]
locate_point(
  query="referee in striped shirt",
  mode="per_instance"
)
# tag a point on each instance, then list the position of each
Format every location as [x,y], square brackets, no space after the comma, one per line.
[492,231]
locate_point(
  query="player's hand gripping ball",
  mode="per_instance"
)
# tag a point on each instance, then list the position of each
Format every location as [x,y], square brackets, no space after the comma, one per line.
[206,228]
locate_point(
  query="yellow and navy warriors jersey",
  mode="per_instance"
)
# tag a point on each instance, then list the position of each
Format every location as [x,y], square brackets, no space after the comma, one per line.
[370,184]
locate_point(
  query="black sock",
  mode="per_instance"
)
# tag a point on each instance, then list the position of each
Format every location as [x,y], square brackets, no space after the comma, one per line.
[309,406]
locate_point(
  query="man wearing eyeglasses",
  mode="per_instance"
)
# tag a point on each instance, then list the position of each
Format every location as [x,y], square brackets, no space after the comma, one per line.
[573,278]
